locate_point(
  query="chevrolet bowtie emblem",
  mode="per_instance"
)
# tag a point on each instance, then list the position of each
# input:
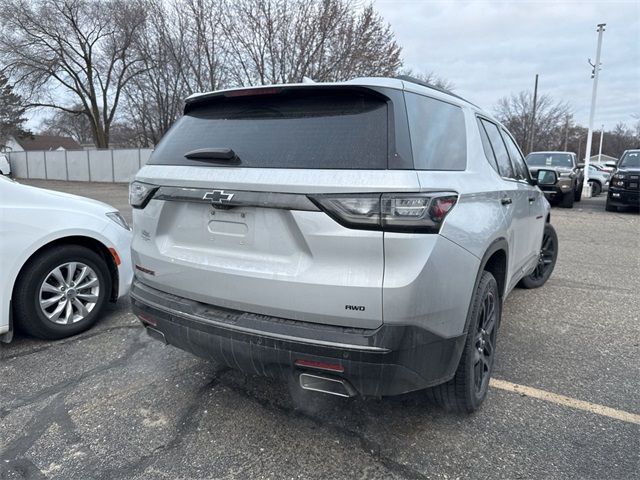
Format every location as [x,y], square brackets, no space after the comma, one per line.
[218,196]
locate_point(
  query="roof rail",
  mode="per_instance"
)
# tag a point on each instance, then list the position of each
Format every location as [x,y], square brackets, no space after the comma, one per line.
[409,78]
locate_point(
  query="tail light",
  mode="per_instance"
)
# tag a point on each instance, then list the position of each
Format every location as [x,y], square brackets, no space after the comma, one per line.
[140,193]
[250,92]
[390,212]
[332,367]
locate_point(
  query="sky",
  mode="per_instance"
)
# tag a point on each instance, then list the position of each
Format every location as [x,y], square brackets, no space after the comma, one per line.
[490,49]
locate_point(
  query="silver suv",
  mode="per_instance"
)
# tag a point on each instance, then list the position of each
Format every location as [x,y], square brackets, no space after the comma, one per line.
[359,237]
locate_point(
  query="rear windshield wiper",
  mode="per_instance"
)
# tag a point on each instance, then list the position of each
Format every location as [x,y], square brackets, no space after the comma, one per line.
[226,155]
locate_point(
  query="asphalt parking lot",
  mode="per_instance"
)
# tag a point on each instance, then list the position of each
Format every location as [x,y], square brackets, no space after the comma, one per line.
[113,403]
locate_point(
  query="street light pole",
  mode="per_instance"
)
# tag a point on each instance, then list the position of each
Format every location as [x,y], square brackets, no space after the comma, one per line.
[600,149]
[586,188]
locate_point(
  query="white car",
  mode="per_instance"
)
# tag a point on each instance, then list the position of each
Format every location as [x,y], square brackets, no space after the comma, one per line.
[62,257]
[5,166]
[599,180]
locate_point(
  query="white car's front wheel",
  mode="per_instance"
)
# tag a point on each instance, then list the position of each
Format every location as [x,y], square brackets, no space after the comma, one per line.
[61,291]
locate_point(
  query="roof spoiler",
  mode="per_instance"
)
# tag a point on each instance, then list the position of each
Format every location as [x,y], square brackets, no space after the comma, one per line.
[272,90]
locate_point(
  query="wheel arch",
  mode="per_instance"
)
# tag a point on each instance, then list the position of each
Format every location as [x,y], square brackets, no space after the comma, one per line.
[84,241]
[596,180]
[496,261]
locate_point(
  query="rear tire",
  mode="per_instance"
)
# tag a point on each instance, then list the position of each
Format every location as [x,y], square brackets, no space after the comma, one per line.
[38,294]
[596,188]
[468,388]
[567,200]
[578,194]
[546,260]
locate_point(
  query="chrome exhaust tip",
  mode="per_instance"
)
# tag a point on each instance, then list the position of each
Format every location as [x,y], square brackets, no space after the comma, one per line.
[156,334]
[332,386]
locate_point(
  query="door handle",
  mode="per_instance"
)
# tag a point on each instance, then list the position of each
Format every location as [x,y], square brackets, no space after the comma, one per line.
[506,201]
[532,199]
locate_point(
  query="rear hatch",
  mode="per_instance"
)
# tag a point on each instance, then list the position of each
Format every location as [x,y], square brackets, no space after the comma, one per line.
[239,223]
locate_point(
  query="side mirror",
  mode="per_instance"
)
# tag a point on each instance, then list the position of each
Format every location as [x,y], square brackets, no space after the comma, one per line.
[546,177]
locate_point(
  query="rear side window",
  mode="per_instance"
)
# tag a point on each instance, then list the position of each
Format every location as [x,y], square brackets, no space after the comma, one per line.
[330,129]
[502,157]
[486,145]
[516,157]
[438,135]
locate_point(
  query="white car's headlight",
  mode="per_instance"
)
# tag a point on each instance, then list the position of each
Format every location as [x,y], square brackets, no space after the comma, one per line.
[119,219]
[140,193]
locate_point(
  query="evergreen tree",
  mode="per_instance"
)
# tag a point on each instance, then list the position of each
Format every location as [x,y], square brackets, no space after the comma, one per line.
[12,111]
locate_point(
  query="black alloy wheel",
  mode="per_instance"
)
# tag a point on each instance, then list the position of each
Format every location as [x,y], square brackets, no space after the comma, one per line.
[546,260]
[485,340]
[468,388]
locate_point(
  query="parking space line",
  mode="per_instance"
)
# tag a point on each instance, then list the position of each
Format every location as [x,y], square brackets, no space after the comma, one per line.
[566,401]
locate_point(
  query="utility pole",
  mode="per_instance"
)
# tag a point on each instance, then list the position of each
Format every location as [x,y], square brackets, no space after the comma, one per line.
[600,149]
[533,115]
[586,188]
[566,132]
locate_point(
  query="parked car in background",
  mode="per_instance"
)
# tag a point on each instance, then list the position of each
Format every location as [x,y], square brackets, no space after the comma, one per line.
[5,166]
[598,179]
[568,188]
[624,187]
[62,257]
[605,168]
[359,237]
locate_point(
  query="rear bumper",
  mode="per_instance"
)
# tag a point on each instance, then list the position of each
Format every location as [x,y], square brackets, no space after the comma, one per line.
[619,197]
[389,360]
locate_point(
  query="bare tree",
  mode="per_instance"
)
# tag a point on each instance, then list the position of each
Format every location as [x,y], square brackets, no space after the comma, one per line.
[636,127]
[280,41]
[550,121]
[189,46]
[183,52]
[74,125]
[153,99]
[201,47]
[75,56]
[618,140]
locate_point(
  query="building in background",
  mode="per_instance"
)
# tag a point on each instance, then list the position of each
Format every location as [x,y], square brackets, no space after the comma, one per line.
[42,143]
[604,158]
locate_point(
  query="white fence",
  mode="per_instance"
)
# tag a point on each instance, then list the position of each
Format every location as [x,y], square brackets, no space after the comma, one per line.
[79,165]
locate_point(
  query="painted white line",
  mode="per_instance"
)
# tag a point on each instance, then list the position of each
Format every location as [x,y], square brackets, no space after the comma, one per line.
[566,401]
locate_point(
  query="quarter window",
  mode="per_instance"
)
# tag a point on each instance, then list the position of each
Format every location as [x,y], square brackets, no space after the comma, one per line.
[500,150]
[516,157]
[486,145]
[438,136]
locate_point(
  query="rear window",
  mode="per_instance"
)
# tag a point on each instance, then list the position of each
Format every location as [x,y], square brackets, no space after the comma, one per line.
[329,129]
[550,160]
[438,135]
